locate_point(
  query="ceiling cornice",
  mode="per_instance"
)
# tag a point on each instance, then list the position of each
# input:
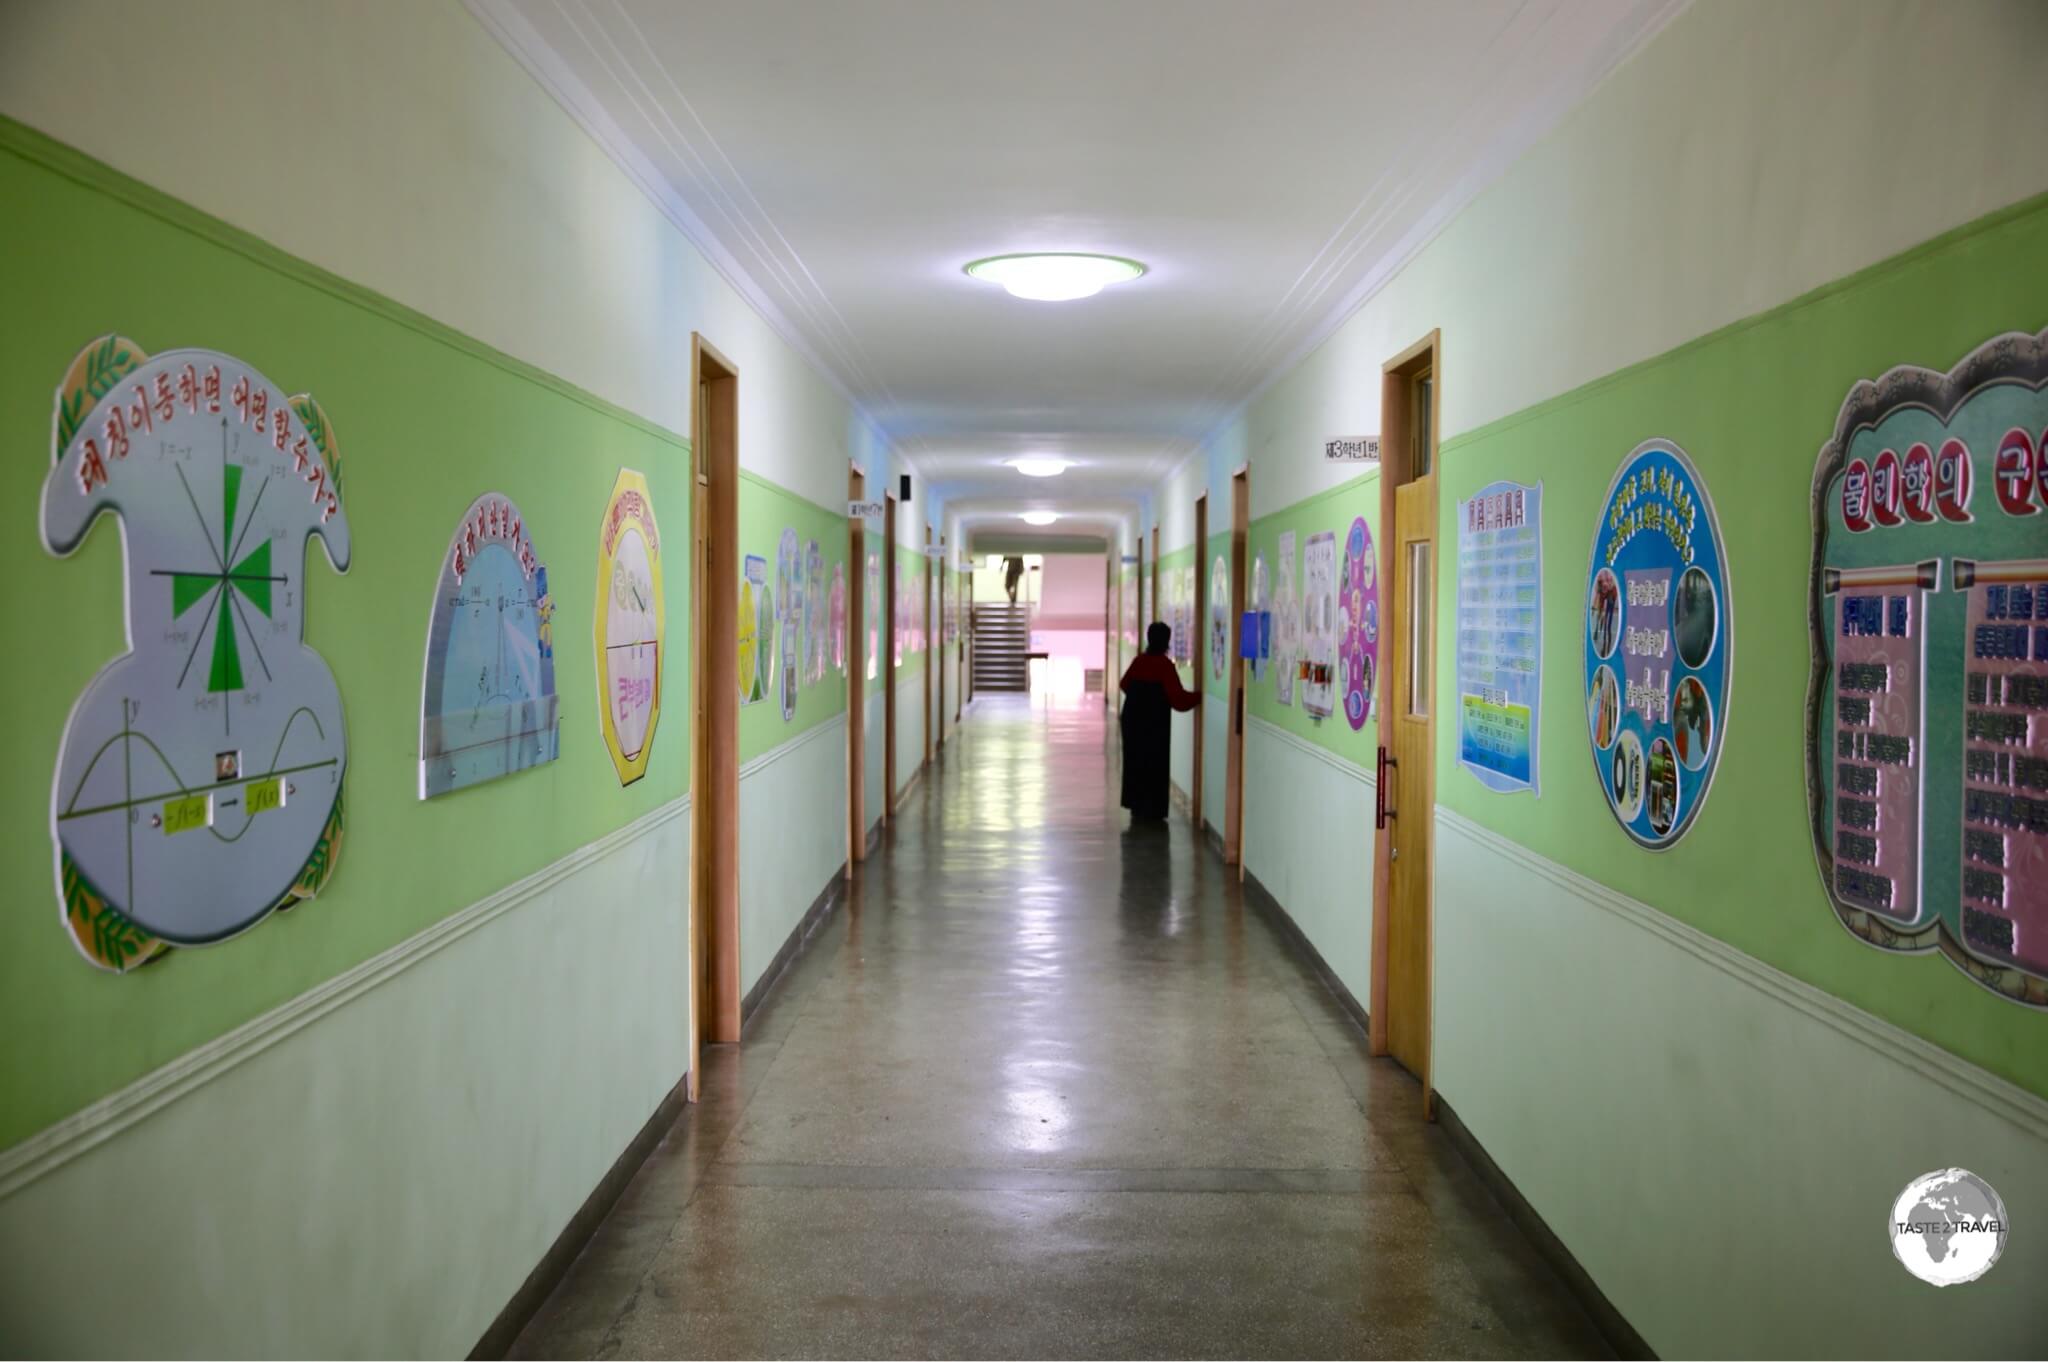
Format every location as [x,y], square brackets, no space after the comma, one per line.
[502,20]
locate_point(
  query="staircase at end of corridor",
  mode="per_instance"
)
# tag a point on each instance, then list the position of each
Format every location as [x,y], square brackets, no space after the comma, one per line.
[1002,640]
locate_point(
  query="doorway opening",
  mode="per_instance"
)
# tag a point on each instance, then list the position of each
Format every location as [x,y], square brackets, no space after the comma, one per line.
[854,645]
[1233,771]
[1405,824]
[941,646]
[1198,641]
[714,646]
[889,656]
[1152,597]
[931,651]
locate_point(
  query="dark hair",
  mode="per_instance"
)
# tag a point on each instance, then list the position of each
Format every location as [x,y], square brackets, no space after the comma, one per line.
[1158,637]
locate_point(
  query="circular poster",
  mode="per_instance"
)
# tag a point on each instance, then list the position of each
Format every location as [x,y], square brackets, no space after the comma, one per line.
[1219,617]
[1358,650]
[627,625]
[1658,638]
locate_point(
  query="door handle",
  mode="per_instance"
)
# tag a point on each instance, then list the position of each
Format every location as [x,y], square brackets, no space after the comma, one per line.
[1380,812]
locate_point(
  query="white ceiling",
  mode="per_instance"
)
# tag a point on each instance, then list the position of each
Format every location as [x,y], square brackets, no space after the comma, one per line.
[1270,162]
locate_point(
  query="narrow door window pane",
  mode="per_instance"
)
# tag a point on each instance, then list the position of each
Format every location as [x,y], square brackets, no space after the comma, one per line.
[1423,409]
[1418,629]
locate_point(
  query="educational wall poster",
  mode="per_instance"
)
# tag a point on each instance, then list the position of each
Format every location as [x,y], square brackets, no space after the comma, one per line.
[1317,670]
[815,623]
[1177,645]
[1500,640]
[1259,606]
[1219,617]
[1358,649]
[1286,624]
[873,611]
[1660,629]
[789,612]
[198,784]
[627,625]
[487,704]
[838,608]
[1927,703]
[757,631]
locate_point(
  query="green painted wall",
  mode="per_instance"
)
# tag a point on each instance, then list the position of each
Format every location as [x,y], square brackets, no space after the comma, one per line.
[1334,511]
[1751,405]
[426,420]
[765,511]
[912,581]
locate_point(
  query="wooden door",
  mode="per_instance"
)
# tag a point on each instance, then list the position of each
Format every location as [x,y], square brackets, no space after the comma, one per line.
[1233,774]
[1198,644]
[1403,972]
[855,646]
[714,820]
[888,667]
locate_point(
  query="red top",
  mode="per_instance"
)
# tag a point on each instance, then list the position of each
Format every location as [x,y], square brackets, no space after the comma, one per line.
[1157,667]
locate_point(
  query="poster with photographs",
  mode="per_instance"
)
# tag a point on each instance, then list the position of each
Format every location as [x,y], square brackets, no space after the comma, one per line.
[789,611]
[816,630]
[838,608]
[1258,639]
[1659,635]
[1219,617]
[1358,649]
[1286,623]
[1927,699]
[1318,666]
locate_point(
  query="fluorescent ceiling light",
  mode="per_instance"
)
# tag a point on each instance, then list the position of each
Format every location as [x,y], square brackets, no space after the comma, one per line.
[1039,517]
[1040,467]
[1055,278]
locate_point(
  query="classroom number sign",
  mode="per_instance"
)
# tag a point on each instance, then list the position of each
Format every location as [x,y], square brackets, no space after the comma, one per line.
[1658,641]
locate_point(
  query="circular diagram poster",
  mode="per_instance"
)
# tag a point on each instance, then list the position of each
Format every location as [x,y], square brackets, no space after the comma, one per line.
[199,780]
[1658,637]
[627,626]
[1358,650]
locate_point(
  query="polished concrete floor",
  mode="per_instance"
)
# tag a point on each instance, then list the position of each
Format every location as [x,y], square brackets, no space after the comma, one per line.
[1045,1087]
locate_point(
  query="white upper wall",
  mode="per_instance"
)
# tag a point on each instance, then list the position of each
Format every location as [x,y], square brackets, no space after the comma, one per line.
[1752,152]
[395,143]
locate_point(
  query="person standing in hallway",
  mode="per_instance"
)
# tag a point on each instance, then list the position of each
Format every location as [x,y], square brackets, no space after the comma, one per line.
[1152,692]
[1013,571]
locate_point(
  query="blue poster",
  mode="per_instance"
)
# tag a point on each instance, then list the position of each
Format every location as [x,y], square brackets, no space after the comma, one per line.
[1658,637]
[1500,635]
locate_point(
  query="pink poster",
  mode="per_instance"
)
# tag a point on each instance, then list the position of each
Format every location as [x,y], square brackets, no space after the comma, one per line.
[1358,651]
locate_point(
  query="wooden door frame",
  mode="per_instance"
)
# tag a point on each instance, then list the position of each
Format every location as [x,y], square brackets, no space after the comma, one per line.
[1155,580]
[888,667]
[714,778]
[856,675]
[1233,733]
[1109,620]
[939,644]
[1198,645]
[931,652]
[1396,468]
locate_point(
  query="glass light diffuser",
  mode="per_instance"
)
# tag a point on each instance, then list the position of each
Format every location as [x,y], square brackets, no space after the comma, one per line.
[1038,517]
[1040,467]
[1055,278]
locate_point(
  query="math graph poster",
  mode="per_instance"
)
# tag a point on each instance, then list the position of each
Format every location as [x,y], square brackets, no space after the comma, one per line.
[1659,636]
[199,780]
[1500,637]
[1927,702]
[627,625]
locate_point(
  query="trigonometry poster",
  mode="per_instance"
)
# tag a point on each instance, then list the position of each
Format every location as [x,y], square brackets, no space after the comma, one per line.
[1659,633]
[757,630]
[627,625]
[1358,647]
[1500,637]
[487,703]
[1318,665]
[199,781]
[1927,704]
[1286,624]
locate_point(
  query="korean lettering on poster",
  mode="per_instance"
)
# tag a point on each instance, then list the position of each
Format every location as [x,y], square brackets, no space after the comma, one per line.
[1658,639]
[1500,635]
[1927,702]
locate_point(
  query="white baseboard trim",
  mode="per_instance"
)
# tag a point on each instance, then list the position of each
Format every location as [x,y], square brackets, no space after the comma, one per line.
[56,1145]
[835,724]
[1321,754]
[1965,1080]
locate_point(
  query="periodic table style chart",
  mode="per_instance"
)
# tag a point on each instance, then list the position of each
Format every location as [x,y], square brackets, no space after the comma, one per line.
[1927,705]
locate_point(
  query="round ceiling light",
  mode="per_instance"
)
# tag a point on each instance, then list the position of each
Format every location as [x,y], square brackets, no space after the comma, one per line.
[1055,278]
[1039,517]
[1039,467]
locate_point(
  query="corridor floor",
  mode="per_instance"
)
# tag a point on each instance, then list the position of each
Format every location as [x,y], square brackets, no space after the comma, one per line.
[1044,1087]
